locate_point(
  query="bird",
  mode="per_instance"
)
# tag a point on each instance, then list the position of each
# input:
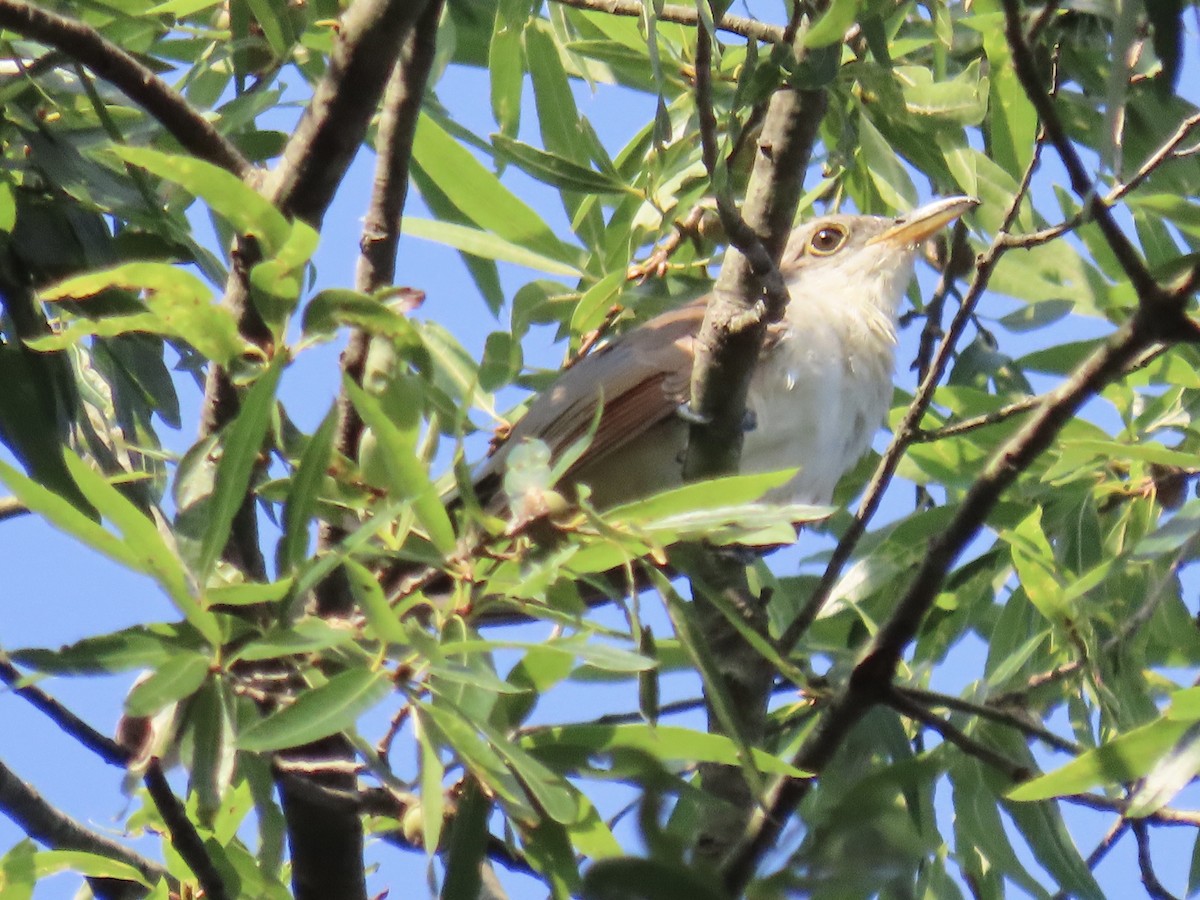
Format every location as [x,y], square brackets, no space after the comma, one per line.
[820,390]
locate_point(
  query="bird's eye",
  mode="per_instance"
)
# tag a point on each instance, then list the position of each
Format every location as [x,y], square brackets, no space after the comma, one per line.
[827,239]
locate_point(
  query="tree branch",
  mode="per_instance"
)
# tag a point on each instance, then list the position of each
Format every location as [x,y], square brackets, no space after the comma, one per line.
[907,706]
[685,15]
[184,837]
[122,70]
[100,744]
[58,831]
[378,245]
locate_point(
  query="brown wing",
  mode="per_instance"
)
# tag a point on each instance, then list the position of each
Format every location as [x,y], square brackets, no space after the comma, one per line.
[642,377]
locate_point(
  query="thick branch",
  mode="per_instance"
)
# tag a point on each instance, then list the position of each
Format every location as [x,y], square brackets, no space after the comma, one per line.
[381,228]
[55,829]
[184,837]
[334,123]
[123,71]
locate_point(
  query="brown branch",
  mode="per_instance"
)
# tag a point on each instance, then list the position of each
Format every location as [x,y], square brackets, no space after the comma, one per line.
[122,70]
[907,706]
[12,508]
[378,245]
[184,837]
[100,744]
[1154,887]
[330,132]
[1164,816]
[729,341]
[685,15]
[39,819]
[987,710]
[313,163]
[1149,292]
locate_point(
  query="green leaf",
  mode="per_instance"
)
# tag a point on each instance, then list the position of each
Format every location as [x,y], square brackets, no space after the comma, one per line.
[179,677]
[479,195]
[140,647]
[90,865]
[1123,759]
[409,479]
[487,246]
[178,305]
[241,444]
[376,314]
[477,755]
[151,552]
[555,170]
[304,493]
[832,26]
[246,210]
[629,878]
[319,712]
[663,742]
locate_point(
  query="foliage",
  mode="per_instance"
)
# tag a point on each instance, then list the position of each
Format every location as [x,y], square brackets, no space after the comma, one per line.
[1048,543]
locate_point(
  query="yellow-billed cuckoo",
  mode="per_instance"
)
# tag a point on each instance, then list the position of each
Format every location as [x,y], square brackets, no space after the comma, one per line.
[820,390]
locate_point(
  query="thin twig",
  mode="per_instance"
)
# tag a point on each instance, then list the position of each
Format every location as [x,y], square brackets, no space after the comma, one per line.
[685,15]
[904,704]
[123,71]
[100,744]
[993,713]
[1150,882]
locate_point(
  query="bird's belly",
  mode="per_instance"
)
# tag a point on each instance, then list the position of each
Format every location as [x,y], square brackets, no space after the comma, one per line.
[820,418]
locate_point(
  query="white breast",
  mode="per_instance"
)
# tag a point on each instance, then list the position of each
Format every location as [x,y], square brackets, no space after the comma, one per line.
[822,392]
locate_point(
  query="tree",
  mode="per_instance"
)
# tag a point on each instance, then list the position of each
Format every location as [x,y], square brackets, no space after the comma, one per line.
[1048,538]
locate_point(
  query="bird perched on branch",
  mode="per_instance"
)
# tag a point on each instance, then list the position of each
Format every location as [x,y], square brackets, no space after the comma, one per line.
[820,389]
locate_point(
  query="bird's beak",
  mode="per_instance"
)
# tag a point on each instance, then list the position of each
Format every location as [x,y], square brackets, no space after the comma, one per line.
[919,224]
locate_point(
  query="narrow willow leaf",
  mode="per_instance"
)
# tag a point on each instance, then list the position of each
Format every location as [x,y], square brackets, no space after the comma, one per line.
[629,876]
[1171,774]
[555,170]
[178,305]
[318,713]
[140,647]
[460,736]
[336,308]
[1121,760]
[832,26]
[468,844]
[179,677]
[64,516]
[433,805]
[154,555]
[249,593]
[90,865]
[241,444]
[246,210]
[369,596]
[409,478]
[480,196]
[488,246]
[304,493]
[667,743]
